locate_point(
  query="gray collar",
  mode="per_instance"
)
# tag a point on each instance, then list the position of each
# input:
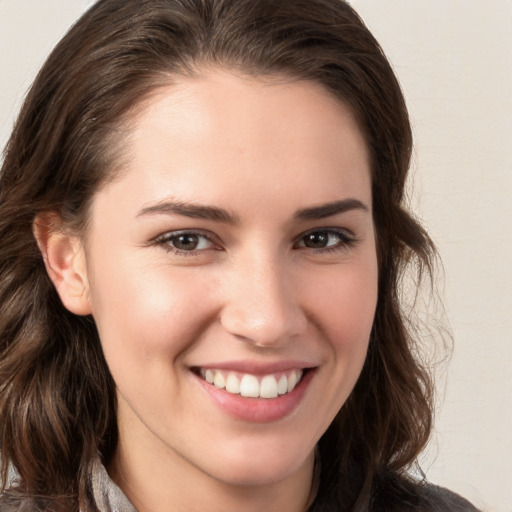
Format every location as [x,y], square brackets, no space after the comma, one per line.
[107,495]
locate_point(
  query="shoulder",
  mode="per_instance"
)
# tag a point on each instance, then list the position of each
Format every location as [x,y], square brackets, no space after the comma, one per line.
[402,494]
[439,498]
[15,504]
[12,500]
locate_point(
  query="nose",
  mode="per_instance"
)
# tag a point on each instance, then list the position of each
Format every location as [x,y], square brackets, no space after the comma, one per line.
[261,304]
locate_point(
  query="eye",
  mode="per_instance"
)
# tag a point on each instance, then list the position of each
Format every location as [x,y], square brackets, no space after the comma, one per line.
[185,241]
[325,239]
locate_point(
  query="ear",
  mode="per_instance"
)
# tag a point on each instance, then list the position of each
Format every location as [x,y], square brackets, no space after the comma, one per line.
[64,258]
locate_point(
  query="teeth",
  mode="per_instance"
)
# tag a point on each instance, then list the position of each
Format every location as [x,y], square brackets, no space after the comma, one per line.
[292,381]
[247,385]
[233,384]
[268,387]
[282,386]
[219,381]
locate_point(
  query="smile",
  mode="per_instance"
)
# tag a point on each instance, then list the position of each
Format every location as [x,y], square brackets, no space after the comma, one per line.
[252,386]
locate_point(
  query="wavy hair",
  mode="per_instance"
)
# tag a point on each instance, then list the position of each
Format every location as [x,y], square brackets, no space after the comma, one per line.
[57,397]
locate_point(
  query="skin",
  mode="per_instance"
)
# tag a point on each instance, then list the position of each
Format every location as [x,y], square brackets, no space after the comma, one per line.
[261,149]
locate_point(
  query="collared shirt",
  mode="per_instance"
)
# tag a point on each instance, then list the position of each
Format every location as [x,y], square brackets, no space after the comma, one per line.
[107,495]
[110,498]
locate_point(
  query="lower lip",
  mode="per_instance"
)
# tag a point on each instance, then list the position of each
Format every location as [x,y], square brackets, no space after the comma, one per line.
[258,410]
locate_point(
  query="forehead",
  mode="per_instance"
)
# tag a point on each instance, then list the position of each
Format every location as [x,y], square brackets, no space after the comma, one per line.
[223,136]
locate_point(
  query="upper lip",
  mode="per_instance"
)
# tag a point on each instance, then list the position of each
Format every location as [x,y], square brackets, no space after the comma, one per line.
[257,368]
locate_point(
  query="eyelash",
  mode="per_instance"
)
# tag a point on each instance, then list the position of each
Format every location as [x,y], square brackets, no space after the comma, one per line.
[346,241]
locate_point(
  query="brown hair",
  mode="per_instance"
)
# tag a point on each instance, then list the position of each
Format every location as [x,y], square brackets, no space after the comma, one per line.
[57,400]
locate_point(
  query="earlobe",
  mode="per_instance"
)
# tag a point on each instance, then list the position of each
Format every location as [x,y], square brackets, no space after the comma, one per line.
[64,259]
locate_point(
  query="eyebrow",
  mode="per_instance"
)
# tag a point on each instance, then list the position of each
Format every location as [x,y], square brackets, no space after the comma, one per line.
[330,209]
[195,211]
[214,213]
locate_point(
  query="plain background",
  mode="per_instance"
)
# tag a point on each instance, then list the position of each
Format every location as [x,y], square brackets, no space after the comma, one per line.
[454,60]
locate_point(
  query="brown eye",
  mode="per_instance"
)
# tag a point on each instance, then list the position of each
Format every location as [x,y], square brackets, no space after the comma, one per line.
[186,242]
[317,240]
[327,239]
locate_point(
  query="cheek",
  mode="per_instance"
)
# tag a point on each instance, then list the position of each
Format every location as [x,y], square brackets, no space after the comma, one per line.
[342,308]
[346,305]
[150,319]
[345,313]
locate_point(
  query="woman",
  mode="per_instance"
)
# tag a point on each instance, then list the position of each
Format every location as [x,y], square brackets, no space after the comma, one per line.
[202,238]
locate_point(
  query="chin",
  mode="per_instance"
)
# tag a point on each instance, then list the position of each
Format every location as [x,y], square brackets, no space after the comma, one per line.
[256,466]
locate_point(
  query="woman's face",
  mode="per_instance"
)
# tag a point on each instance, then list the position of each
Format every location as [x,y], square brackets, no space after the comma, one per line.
[237,249]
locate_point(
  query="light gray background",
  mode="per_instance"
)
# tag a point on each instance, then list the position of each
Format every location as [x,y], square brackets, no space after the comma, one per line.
[454,59]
